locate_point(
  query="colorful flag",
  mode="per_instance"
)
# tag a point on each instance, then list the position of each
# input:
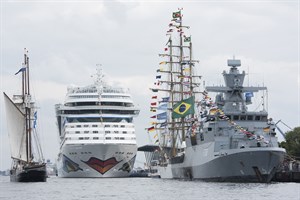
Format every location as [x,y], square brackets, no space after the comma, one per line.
[249,94]
[163,106]
[163,63]
[166,49]
[151,129]
[23,69]
[176,14]
[152,109]
[153,104]
[162,116]
[35,118]
[165,99]
[213,111]
[154,97]
[185,62]
[156,135]
[153,117]
[187,39]
[184,108]
[164,124]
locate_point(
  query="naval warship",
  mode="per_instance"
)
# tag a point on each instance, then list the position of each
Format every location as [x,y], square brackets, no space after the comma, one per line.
[201,138]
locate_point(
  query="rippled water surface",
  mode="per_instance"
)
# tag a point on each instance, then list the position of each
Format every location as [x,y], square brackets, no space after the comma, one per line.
[144,188]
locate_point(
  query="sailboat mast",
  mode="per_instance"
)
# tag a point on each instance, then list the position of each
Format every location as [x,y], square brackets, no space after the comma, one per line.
[26,97]
[181,74]
[172,96]
[191,72]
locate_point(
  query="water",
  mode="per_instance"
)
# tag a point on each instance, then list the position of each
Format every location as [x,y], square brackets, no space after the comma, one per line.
[144,188]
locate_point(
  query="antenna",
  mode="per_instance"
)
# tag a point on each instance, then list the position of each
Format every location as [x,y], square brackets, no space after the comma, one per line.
[99,75]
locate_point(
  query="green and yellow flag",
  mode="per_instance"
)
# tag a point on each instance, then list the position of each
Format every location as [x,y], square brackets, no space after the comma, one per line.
[183,108]
[176,15]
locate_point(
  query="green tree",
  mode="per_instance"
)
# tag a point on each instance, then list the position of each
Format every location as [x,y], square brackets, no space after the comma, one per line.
[292,142]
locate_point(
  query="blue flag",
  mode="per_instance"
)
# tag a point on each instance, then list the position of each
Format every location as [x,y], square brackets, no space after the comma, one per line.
[163,107]
[23,69]
[165,99]
[162,116]
[35,118]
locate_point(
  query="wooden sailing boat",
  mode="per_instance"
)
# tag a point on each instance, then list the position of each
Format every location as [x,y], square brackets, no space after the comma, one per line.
[28,164]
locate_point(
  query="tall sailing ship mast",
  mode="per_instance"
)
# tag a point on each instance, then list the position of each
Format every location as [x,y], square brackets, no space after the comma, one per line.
[175,89]
[21,120]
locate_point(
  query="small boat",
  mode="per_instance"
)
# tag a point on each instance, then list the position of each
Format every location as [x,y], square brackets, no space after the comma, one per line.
[27,160]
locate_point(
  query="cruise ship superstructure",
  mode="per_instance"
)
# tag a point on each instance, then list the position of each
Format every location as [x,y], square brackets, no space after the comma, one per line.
[96,131]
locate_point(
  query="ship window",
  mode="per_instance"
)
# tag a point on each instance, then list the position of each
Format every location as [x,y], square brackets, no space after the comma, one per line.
[77,132]
[95,138]
[107,131]
[94,125]
[95,131]
[86,131]
[86,138]
[81,138]
[108,138]
[115,125]
[122,138]
[78,125]
[257,118]
[263,118]
[250,117]
[116,138]
[209,129]
[124,132]
[122,126]
[235,117]
[107,126]
[116,131]
[86,125]
[243,117]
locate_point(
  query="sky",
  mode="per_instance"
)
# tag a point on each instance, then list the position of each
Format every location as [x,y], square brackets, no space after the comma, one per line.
[67,39]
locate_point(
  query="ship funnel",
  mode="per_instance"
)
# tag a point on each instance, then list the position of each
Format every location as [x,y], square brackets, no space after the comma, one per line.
[233,63]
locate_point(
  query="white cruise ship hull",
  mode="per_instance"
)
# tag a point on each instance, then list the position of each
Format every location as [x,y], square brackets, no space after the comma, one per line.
[247,165]
[96,160]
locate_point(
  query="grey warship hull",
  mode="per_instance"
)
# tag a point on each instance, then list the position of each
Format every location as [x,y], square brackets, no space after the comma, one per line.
[249,165]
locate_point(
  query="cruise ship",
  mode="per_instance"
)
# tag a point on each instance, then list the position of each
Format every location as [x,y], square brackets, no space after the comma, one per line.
[96,131]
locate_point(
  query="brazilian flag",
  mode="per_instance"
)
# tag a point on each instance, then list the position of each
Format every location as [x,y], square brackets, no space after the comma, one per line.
[183,108]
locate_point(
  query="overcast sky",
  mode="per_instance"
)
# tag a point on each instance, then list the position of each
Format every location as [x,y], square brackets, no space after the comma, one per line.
[66,39]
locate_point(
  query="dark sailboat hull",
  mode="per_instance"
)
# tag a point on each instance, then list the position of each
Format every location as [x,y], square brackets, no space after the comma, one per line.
[35,173]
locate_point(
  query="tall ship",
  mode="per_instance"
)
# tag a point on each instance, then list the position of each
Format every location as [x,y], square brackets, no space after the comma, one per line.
[27,158]
[202,138]
[96,131]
